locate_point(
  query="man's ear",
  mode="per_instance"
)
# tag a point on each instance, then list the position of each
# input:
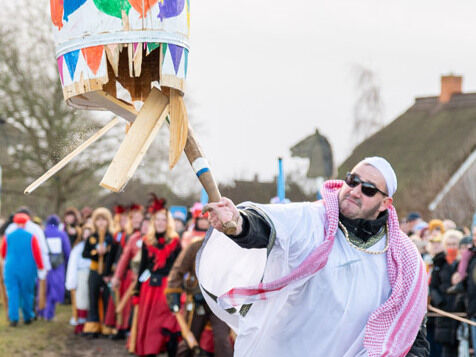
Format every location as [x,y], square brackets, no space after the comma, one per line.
[387,202]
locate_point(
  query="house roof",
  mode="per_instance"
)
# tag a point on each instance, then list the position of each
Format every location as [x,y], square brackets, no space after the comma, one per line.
[261,192]
[426,145]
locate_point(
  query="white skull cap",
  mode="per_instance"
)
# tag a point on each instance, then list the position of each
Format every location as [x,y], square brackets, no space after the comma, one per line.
[386,170]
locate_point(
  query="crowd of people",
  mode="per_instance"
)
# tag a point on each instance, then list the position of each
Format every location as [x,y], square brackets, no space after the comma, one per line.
[448,253]
[128,274]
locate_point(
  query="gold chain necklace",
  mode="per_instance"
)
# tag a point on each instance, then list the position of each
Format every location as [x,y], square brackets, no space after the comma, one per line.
[346,234]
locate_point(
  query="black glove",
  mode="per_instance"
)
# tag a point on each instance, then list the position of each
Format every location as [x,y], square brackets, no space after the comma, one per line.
[198,299]
[173,300]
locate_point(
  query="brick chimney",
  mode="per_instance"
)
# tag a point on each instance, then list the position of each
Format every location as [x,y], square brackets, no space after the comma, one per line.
[450,85]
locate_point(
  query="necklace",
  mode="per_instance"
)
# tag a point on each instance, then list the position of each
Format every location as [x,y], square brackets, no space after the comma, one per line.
[346,234]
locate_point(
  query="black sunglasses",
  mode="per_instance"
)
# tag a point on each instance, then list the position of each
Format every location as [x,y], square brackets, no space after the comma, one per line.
[367,188]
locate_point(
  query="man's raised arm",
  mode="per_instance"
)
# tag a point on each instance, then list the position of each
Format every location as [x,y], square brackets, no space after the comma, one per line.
[252,229]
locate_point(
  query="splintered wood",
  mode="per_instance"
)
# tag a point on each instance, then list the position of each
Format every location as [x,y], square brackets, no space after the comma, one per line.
[71,156]
[111,103]
[178,127]
[192,148]
[138,139]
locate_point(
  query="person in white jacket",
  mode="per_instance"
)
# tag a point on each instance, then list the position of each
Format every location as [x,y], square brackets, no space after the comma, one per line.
[77,274]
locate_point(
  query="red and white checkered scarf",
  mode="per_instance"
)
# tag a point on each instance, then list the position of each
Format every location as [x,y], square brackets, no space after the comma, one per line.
[392,328]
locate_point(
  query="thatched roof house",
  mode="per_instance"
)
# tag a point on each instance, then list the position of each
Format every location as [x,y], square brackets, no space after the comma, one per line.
[432,147]
[261,192]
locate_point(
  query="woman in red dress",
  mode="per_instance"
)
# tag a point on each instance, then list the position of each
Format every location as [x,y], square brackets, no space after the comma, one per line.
[157,329]
[130,245]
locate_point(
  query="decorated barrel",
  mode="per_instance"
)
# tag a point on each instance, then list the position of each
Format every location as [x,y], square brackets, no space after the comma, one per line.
[112,53]
[110,45]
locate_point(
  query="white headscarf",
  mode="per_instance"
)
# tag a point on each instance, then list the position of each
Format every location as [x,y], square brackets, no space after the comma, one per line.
[386,170]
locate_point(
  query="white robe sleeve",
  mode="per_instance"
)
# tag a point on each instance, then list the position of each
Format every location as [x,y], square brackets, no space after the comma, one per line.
[222,264]
[298,227]
[71,282]
[40,236]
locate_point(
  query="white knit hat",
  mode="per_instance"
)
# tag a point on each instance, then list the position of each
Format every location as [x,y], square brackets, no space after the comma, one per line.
[386,170]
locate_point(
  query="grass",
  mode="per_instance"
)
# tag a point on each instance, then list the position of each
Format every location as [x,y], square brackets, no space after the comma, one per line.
[41,338]
[54,339]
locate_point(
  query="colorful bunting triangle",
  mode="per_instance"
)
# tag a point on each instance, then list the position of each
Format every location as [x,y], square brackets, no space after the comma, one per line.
[152,46]
[71,59]
[185,62]
[164,51]
[93,56]
[176,53]
[71,6]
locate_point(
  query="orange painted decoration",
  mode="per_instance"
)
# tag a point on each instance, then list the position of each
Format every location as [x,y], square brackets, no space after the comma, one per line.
[93,57]
[56,9]
[143,6]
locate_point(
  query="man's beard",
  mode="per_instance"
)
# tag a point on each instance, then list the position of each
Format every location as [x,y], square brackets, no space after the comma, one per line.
[372,213]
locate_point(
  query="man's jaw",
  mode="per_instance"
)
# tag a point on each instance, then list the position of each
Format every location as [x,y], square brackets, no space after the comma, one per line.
[349,208]
[355,202]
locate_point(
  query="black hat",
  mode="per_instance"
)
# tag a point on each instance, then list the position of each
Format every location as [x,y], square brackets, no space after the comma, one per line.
[466,240]
[412,216]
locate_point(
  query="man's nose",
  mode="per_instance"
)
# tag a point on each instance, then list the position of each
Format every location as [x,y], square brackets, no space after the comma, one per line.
[356,191]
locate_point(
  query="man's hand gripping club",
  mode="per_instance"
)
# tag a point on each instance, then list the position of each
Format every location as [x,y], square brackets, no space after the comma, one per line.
[224,216]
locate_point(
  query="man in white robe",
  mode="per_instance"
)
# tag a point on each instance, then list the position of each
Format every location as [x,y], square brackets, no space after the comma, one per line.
[311,289]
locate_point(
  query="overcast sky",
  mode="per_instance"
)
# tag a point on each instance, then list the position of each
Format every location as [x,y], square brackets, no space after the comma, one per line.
[264,74]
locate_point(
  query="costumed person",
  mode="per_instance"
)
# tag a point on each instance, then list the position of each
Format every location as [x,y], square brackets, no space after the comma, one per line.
[101,249]
[120,220]
[199,314]
[86,215]
[466,253]
[157,329]
[72,225]
[434,247]
[444,266]
[336,276]
[59,249]
[198,228]
[436,227]
[136,217]
[125,275]
[180,217]
[469,283]
[22,255]
[37,231]
[77,276]
[413,224]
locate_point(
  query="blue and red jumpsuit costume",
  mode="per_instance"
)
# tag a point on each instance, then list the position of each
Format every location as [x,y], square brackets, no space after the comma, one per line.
[22,256]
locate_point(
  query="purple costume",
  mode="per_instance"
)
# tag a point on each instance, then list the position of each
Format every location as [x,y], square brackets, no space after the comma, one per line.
[58,245]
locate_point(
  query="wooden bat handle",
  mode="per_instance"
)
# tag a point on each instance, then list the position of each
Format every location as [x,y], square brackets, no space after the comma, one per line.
[117,297]
[187,334]
[202,169]
[125,297]
[200,165]
[133,336]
